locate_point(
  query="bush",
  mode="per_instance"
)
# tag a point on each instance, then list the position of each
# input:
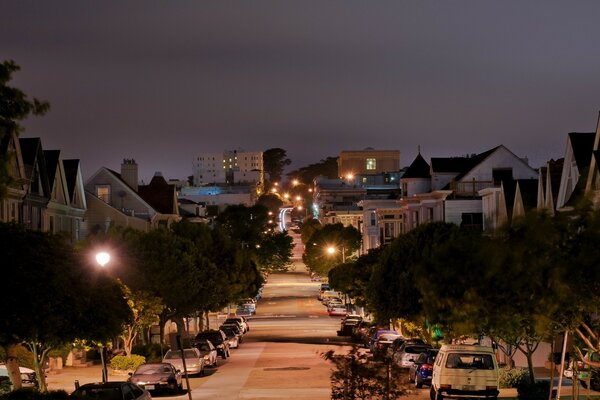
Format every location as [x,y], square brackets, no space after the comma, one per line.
[534,391]
[151,351]
[513,377]
[124,363]
[31,394]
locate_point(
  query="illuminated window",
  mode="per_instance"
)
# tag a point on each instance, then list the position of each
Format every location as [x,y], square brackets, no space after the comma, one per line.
[103,193]
[371,164]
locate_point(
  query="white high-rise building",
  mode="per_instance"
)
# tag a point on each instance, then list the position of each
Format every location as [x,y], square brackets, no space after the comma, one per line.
[230,167]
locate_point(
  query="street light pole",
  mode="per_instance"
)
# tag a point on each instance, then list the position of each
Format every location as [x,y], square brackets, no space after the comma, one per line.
[103,258]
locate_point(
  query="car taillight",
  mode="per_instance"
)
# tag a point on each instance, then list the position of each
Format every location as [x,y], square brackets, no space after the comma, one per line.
[427,367]
[491,387]
[445,387]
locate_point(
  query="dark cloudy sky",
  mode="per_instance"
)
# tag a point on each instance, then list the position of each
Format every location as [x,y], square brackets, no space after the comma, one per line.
[163,81]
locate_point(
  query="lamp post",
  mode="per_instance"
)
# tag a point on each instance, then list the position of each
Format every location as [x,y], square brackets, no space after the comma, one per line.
[333,250]
[103,258]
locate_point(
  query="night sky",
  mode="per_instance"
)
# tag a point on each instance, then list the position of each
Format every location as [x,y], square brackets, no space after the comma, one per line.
[161,82]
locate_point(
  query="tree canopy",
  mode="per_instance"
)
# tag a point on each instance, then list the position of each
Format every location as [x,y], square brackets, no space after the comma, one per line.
[327,168]
[274,162]
[343,241]
[15,106]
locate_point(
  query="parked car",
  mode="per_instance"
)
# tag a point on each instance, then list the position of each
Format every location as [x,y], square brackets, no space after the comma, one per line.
[360,332]
[401,341]
[337,311]
[465,371]
[158,376]
[378,332]
[218,339]
[240,320]
[232,336]
[110,391]
[421,370]
[348,324]
[382,343]
[194,362]
[28,376]
[408,353]
[234,324]
[208,351]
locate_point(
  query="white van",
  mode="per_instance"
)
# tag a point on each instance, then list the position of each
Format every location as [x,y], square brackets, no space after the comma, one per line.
[465,371]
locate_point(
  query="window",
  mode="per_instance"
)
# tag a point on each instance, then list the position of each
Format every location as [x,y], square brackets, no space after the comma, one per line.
[373,219]
[371,164]
[103,193]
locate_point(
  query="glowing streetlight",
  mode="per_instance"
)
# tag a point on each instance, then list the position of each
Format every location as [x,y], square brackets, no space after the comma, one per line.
[350,176]
[274,190]
[332,250]
[295,182]
[102,258]
[298,198]
[286,196]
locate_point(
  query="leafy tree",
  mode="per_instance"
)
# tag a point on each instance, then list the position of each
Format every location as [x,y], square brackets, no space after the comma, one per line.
[353,277]
[61,299]
[274,162]
[271,202]
[145,309]
[15,107]
[250,229]
[392,291]
[308,228]
[345,240]
[327,168]
[356,376]
[274,253]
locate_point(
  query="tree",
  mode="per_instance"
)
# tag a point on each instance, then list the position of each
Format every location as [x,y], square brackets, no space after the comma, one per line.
[274,162]
[308,228]
[60,299]
[271,202]
[343,240]
[327,168]
[274,253]
[145,308]
[15,107]
[353,277]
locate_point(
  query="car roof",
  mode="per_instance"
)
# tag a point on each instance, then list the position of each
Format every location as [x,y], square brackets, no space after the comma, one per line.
[110,384]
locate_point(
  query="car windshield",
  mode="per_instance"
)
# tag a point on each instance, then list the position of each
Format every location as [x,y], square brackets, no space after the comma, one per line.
[100,393]
[469,361]
[388,337]
[204,347]
[149,369]
[176,354]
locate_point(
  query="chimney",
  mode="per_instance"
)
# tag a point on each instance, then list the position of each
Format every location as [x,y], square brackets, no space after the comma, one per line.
[129,173]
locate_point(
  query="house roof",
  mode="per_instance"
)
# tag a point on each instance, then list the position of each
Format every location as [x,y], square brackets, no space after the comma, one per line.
[556,167]
[71,168]
[528,188]
[418,169]
[159,194]
[52,159]
[582,144]
[459,165]
[29,149]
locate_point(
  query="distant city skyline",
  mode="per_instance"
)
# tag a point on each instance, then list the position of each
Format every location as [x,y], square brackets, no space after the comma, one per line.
[161,83]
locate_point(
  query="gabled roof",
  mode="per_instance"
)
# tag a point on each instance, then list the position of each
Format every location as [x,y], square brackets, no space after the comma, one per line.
[556,167]
[159,194]
[582,144]
[459,165]
[71,167]
[52,159]
[418,169]
[528,189]
[33,156]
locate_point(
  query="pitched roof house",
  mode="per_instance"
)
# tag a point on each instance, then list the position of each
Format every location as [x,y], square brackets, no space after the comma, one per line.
[117,199]
[578,157]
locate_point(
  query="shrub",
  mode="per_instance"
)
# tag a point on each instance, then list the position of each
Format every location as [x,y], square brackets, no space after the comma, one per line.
[513,377]
[151,351]
[30,394]
[125,363]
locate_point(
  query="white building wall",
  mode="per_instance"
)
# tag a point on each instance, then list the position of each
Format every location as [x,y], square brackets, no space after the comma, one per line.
[455,208]
[501,158]
[440,180]
[416,186]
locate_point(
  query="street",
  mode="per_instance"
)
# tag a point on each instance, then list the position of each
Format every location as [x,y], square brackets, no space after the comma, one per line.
[280,357]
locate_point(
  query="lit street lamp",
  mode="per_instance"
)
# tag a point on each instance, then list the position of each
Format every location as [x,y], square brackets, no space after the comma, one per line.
[103,258]
[332,250]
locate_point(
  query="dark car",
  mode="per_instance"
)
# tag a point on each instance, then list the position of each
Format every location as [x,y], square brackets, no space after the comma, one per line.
[240,319]
[158,376]
[420,371]
[218,338]
[110,391]
[375,336]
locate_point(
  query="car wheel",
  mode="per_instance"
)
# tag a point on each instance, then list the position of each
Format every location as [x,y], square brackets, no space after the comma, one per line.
[214,364]
[438,396]
[431,394]
[175,388]
[201,371]
[418,384]
[224,356]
